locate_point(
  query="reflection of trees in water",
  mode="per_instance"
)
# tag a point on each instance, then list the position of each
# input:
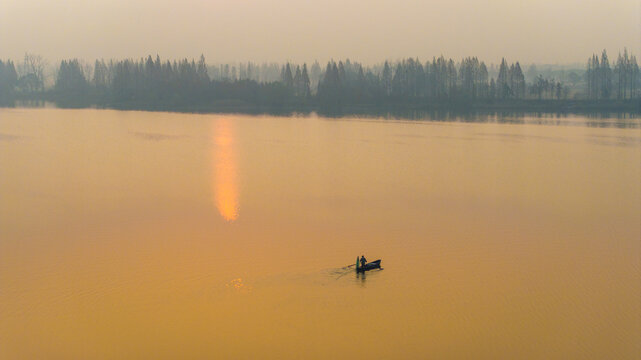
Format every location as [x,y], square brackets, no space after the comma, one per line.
[594,119]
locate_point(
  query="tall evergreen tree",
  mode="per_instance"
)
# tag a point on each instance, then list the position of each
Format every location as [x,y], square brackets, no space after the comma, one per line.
[517,81]
[306,93]
[502,82]
[201,70]
[287,77]
[606,77]
[298,82]
[8,81]
[387,79]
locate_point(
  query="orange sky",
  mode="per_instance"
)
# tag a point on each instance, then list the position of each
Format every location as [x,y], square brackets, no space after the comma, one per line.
[544,31]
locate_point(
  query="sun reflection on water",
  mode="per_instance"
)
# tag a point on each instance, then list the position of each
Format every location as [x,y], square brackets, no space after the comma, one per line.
[225,181]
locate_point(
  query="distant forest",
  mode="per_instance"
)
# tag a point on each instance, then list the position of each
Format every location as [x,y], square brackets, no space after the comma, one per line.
[337,87]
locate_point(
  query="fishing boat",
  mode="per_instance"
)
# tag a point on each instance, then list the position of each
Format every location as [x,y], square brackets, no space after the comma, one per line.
[369,266]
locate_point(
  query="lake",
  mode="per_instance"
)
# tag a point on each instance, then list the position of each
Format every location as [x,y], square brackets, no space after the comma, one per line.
[141,235]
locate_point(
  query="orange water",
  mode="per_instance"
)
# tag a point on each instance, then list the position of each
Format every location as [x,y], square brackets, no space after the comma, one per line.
[135,235]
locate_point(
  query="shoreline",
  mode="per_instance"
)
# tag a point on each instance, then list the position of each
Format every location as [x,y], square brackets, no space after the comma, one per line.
[590,108]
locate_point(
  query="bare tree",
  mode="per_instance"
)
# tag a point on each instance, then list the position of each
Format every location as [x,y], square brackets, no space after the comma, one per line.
[32,72]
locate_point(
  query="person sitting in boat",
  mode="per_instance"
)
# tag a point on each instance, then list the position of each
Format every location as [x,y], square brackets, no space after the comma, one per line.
[363,261]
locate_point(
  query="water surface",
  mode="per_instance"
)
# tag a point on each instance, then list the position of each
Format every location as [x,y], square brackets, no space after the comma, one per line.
[157,235]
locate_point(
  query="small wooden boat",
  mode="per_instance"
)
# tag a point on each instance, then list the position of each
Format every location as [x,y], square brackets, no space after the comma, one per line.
[369,266]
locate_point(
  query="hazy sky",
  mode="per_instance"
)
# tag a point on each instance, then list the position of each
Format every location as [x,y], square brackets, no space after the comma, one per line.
[545,31]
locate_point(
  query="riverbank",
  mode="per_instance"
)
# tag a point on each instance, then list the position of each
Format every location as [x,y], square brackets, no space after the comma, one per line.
[596,108]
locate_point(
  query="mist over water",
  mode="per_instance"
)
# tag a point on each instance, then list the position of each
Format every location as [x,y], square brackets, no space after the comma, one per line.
[164,235]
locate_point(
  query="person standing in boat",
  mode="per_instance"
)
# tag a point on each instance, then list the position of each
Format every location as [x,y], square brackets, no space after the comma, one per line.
[363,261]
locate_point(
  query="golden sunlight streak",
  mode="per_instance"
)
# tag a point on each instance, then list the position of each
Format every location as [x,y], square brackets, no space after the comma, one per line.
[224,168]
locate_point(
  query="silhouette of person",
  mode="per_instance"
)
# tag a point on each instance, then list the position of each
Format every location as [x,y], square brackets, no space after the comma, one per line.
[363,261]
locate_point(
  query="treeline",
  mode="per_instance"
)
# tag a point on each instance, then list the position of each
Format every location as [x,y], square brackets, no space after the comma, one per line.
[156,84]
[153,83]
[604,83]
[409,81]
